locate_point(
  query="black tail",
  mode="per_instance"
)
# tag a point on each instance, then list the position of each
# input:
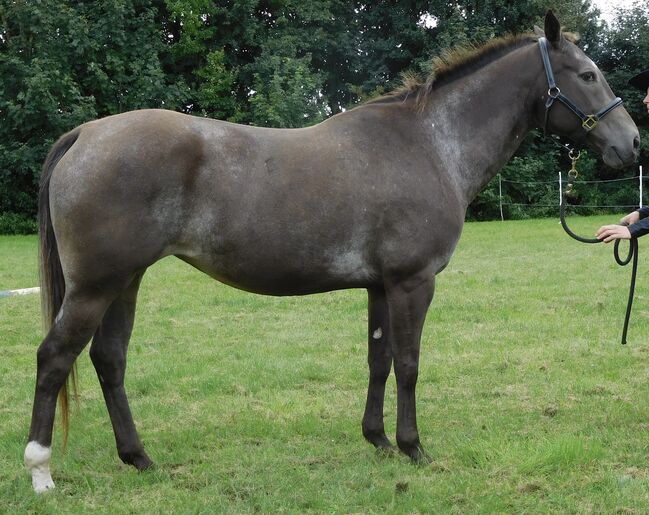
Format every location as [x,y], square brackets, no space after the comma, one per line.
[51,273]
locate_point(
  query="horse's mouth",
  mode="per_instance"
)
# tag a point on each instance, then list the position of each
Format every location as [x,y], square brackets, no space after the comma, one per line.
[613,158]
[619,162]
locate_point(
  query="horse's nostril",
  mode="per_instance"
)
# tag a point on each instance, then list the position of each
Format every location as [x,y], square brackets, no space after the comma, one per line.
[636,143]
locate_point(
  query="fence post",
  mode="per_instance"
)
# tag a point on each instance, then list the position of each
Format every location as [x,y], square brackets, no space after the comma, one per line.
[640,185]
[500,197]
[560,189]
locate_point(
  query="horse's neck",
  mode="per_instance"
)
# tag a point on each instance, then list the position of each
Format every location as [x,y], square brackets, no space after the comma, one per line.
[476,123]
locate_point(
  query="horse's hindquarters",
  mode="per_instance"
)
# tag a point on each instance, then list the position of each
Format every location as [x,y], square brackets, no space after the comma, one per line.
[119,195]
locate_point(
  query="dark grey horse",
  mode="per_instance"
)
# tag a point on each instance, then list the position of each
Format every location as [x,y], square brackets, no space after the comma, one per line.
[372,198]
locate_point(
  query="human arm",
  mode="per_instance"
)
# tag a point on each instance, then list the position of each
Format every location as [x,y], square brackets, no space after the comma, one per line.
[635,216]
[634,225]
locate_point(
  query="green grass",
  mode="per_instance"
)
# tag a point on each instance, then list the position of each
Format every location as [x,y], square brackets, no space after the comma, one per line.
[526,399]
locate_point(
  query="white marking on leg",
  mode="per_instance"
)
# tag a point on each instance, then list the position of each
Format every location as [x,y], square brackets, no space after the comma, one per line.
[377,334]
[37,461]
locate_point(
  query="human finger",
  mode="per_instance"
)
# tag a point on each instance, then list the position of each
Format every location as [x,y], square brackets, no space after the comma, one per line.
[617,233]
[609,233]
[603,229]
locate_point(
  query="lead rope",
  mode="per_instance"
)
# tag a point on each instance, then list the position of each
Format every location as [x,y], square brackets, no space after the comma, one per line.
[633,242]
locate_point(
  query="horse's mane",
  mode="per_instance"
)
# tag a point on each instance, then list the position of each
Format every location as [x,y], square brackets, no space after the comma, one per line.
[456,63]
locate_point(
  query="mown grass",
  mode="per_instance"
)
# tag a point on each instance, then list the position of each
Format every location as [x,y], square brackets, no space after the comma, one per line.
[526,399]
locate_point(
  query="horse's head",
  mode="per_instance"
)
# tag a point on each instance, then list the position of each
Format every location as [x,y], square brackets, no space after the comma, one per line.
[580,104]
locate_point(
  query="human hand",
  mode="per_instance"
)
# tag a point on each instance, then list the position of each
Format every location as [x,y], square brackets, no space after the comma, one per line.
[631,218]
[608,233]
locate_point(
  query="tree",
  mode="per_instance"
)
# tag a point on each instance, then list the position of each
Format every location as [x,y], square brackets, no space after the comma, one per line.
[280,63]
[62,64]
[624,52]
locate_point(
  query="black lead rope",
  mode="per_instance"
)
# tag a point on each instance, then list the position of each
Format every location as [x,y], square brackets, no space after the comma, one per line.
[633,253]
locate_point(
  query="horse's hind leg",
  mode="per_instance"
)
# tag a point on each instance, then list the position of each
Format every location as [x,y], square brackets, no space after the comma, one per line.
[379,359]
[108,354]
[75,323]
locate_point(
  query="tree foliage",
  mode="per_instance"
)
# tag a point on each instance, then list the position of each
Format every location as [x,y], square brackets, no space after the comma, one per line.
[280,63]
[64,63]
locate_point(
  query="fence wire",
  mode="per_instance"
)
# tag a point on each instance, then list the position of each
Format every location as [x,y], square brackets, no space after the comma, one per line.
[560,183]
[565,181]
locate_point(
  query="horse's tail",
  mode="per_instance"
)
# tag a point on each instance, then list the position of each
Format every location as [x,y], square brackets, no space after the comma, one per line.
[51,274]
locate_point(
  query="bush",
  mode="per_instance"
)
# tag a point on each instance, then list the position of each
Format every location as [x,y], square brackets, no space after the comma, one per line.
[13,223]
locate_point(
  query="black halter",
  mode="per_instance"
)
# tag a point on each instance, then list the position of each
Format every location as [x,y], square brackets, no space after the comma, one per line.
[588,122]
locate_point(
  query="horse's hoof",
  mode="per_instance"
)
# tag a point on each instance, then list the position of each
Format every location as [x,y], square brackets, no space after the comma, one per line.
[144,464]
[138,459]
[386,451]
[416,453]
[421,458]
[383,443]
[377,439]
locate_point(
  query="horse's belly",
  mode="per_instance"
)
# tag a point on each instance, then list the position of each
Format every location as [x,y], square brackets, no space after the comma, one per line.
[287,275]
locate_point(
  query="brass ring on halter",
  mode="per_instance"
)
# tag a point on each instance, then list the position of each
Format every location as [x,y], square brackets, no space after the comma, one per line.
[572,155]
[573,174]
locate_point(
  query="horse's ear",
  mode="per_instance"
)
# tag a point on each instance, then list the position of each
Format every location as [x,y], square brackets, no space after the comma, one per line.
[553,29]
[539,31]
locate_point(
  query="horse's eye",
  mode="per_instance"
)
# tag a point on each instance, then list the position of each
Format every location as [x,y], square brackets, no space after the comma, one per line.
[588,76]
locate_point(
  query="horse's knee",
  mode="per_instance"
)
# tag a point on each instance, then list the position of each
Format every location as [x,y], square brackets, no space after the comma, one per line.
[379,375]
[406,373]
[380,367]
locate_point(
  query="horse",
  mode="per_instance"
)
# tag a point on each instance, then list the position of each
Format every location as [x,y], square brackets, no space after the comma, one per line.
[374,198]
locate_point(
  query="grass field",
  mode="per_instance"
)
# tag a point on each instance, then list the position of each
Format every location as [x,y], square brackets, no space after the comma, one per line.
[527,402]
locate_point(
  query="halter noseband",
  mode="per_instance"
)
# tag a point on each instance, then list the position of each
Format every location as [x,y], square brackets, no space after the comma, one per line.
[588,122]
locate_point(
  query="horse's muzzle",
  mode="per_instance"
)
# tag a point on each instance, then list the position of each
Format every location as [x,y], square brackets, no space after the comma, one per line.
[622,155]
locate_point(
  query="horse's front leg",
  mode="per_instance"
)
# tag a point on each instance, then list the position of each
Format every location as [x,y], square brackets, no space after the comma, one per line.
[408,302]
[379,359]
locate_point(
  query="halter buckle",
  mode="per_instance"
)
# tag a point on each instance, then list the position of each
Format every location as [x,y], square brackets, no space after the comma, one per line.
[590,122]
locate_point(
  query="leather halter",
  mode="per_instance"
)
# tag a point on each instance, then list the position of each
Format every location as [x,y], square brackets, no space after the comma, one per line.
[588,121]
